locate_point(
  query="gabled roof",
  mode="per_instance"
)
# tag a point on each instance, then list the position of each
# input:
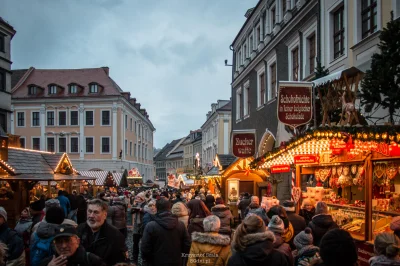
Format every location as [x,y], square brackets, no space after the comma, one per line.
[162,155]
[225,160]
[226,107]
[16,76]
[64,77]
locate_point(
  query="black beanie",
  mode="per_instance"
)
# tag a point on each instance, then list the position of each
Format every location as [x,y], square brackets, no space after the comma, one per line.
[337,248]
[55,215]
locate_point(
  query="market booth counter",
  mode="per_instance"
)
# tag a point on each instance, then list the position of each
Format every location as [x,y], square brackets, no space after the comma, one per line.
[21,171]
[355,170]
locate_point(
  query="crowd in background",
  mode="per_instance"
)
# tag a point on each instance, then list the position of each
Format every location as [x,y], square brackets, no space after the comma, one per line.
[173,227]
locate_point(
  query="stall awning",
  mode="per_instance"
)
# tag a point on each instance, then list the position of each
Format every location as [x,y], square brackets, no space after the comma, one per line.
[100,176]
[349,72]
[46,177]
[213,171]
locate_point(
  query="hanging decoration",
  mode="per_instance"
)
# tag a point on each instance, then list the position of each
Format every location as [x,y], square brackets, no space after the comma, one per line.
[391,170]
[379,170]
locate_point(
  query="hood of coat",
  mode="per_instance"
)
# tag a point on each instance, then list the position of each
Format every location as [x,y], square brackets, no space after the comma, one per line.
[323,220]
[220,210]
[211,238]
[179,209]
[149,210]
[46,230]
[166,220]
[258,246]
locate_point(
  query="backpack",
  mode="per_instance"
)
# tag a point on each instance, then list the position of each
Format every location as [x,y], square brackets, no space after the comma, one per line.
[41,249]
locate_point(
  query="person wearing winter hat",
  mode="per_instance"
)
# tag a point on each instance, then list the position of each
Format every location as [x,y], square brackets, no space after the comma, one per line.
[307,210]
[337,248]
[298,222]
[215,246]
[180,210]
[252,244]
[395,225]
[15,245]
[306,253]
[277,226]
[321,223]
[288,234]
[225,215]
[386,248]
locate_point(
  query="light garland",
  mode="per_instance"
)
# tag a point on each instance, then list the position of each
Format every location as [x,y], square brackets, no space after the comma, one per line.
[9,167]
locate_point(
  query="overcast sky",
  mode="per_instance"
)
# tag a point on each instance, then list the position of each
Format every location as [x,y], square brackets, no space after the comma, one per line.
[168,53]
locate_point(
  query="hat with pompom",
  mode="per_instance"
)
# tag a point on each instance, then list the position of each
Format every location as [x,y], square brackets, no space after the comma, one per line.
[304,238]
[276,225]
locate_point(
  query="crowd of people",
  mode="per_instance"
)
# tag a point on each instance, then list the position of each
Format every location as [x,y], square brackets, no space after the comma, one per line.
[170,227]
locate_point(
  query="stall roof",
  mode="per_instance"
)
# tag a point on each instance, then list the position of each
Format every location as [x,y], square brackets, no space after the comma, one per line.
[100,176]
[213,171]
[225,160]
[349,72]
[46,177]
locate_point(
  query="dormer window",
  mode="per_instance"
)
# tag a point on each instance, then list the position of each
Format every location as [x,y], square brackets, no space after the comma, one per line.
[73,89]
[93,88]
[53,89]
[33,90]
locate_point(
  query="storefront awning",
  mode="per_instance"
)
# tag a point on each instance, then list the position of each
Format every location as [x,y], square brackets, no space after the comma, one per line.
[349,72]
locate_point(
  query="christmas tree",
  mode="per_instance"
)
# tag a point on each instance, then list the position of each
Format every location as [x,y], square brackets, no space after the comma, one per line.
[381,84]
[124,179]
[110,182]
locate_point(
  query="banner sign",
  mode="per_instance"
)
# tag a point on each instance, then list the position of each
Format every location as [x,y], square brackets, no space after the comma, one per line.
[365,251]
[305,159]
[294,103]
[280,169]
[243,143]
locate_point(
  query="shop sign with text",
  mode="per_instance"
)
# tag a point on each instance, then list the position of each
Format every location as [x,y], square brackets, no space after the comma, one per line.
[305,159]
[280,169]
[294,103]
[243,143]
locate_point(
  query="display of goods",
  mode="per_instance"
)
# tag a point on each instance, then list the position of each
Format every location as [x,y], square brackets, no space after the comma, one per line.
[391,170]
[324,173]
[333,182]
[345,181]
[296,194]
[354,169]
[360,170]
[346,170]
[379,170]
[339,170]
[333,171]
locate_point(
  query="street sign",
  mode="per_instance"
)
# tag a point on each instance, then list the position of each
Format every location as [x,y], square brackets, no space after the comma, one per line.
[294,103]
[243,143]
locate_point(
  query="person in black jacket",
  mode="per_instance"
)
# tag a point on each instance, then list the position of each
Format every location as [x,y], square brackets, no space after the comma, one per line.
[321,223]
[165,239]
[99,237]
[15,244]
[253,245]
[297,221]
[243,204]
[69,251]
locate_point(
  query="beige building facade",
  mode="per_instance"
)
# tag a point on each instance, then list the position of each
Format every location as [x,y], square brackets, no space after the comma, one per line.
[85,113]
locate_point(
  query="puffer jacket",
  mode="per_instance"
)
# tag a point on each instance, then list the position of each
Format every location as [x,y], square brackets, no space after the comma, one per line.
[216,248]
[258,251]
[225,216]
[320,224]
[283,247]
[119,215]
[180,210]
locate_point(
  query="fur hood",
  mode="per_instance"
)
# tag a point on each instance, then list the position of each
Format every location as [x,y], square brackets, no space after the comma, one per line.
[179,209]
[219,208]
[211,238]
[250,239]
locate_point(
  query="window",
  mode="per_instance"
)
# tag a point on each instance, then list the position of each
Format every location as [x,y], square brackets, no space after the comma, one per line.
[251,44]
[273,18]
[2,43]
[105,145]
[89,145]
[126,121]
[62,118]
[283,6]
[261,84]
[134,150]
[74,118]
[62,145]
[89,118]
[32,90]
[295,62]
[338,33]
[135,127]
[105,118]
[369,17]
[73,89]
[126,147]
[247,100]
[35,119]
[241,104]
[3,122]
[50,144]
[131,123]
[36,144]
[74,145]
[258,35]
[240,59]
[311,53]
[273,81]
[2,81]
[130,148]
[50,118]
[53,89]
[93,88]
[139,150]
[20,119]
[22,143]
[245,51]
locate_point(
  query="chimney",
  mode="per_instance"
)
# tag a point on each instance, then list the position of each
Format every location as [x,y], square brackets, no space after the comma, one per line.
[107,70]
[137,106]
[147,116]
[126,94]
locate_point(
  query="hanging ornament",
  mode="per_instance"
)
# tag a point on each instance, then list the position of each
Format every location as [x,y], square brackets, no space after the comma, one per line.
[333,170]
[324,173]
[339,170]
[391,170]
[296,193]
[354,169]
[379,170]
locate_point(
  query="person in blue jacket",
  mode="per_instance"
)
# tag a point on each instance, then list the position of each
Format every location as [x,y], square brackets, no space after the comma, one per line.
[64,202]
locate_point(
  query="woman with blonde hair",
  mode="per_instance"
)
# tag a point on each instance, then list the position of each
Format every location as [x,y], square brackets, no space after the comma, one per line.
[386,248]
[307,210]
[253,245]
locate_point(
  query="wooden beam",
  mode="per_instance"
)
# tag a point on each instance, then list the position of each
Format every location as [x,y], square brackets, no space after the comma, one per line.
[368,198]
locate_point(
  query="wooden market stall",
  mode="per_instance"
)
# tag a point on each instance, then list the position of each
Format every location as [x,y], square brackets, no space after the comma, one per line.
[21,170]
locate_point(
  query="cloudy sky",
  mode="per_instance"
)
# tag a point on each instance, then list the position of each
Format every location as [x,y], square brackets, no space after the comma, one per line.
[168,53]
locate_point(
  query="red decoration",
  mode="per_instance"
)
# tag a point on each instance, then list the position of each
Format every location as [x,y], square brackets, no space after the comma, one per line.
[243,144]
[280,169]
[305,159]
